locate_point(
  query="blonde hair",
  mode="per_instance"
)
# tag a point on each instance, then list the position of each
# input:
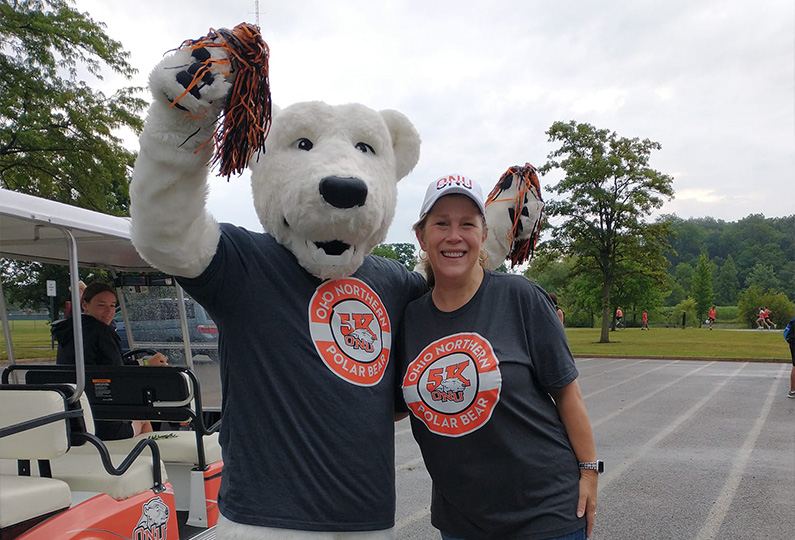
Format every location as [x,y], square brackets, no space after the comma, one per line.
[425,263]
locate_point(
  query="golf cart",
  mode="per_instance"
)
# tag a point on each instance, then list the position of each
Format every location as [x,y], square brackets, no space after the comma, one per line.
[58,480]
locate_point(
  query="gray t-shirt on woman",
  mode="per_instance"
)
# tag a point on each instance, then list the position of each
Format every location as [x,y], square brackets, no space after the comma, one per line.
[476,381]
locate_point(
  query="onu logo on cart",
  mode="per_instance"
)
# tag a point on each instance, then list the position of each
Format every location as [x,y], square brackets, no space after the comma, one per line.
[448,383]
[355,327]
[153,524]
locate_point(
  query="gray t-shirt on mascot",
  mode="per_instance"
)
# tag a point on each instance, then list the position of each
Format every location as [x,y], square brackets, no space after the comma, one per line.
[308,392]
[477,378]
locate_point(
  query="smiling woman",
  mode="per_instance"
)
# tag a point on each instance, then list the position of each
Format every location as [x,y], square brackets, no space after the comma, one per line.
[101,344]
[482,354]
[101,347]
[451,231]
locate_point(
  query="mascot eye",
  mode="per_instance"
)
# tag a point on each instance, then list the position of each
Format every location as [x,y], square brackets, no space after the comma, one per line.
[365,148]
[303,144]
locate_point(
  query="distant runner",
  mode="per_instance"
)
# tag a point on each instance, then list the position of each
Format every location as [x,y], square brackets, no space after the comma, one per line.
[711,316]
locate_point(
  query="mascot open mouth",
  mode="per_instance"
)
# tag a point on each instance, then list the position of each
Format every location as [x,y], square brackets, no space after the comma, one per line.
[334,253]
[335,247]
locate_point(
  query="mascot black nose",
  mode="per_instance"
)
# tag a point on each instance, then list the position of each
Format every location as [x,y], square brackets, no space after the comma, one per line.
[343,192]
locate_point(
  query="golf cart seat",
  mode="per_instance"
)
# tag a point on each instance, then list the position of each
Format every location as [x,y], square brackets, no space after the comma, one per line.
[168,394]
[86,468]
[34,425]
[175,446]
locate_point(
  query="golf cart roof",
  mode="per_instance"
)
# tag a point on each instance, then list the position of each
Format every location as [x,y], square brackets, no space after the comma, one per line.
[31,228]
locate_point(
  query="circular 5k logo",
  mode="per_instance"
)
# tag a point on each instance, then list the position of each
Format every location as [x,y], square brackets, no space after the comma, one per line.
[351,330]
[453,385]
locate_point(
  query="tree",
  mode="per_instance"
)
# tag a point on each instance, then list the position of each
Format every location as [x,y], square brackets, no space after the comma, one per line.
[636,292]
[702,287]
[582,300]
[687,307]
[25,283]
[550,271]
[762,276]
[608,191]
[676,293]
[684,275]
[402,252]
[727,284]
[57,134]
[751,240]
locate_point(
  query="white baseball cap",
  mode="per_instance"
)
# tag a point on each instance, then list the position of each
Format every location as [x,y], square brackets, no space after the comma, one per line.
[448,185]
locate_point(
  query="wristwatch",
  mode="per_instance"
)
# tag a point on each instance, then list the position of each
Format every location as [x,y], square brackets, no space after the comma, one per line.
[598,466]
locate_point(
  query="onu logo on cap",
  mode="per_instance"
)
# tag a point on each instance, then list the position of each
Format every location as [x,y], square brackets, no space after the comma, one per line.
[453,180]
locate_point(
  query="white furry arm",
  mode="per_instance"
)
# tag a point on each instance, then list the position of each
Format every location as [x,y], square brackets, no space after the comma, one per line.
[171,227]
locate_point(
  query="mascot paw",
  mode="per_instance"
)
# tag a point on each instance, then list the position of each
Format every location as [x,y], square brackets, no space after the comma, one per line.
[514,212]
[195,80]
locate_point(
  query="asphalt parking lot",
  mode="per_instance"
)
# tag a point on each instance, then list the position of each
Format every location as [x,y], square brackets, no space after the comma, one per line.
[697,450]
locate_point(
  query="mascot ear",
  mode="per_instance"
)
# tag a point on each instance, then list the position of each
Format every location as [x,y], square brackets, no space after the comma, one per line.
[405,141]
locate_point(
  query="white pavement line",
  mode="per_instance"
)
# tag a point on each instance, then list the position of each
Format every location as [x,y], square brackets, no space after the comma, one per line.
[721,507]
[409,464]
[610,370]
[411,519]
[647,396]
[609,477]
[606,388]
[613,361]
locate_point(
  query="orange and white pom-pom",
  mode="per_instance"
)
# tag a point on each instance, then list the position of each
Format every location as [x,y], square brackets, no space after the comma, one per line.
[521,189]
[246,118]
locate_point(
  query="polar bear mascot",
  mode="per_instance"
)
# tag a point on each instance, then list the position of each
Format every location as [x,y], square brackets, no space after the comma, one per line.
[307,319]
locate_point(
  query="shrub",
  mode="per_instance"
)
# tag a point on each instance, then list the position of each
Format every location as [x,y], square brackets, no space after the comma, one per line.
[752,298]
[688,306]
[726,313]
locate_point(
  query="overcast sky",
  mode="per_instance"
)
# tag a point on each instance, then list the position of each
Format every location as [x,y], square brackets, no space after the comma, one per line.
[713,81]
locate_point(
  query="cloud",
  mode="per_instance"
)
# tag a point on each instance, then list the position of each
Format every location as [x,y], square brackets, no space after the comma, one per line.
[700,195]
[711,81]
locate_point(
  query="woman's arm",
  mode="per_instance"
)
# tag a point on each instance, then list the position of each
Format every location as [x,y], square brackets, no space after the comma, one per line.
[571,407]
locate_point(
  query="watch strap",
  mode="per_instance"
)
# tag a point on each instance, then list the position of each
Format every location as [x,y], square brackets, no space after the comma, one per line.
[598,466]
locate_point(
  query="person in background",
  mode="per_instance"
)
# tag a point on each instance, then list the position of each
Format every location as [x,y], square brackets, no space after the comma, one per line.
[619,316]
[559,311]
[101,347]
[645,320]
[789,337]
[67,312]
[496,407]
[768,322]
[711,316]
[761,320]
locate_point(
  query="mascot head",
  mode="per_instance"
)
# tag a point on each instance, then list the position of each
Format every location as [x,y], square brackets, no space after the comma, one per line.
[326,185]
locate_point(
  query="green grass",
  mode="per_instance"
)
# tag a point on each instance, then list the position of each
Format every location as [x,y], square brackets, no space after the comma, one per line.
[32,341]
[695,342]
